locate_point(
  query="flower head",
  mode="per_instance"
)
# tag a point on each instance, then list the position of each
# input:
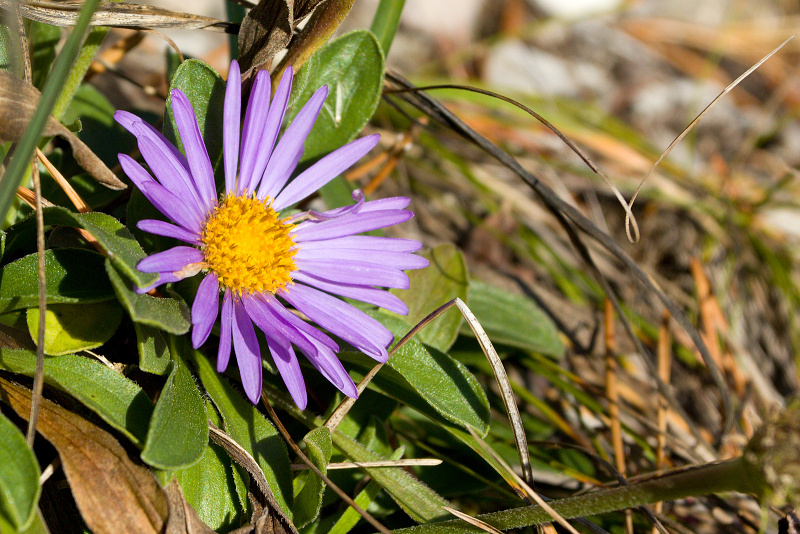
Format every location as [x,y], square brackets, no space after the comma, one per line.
[256,260]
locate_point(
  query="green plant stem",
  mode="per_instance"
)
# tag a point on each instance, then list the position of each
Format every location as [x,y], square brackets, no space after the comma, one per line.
[386,21]
[85,57]
[52,88]
[728,475]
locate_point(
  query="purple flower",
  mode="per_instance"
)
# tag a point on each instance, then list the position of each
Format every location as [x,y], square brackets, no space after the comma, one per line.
[256,260]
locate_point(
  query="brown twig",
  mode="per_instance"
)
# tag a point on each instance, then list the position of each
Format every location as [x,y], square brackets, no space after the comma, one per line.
[344,496]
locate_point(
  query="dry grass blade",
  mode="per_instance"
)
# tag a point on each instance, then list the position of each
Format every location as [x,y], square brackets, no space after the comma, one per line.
[472,521]
[182,517]
[664,364]
[629,216]
[116,14]
[634,238]
[408,462]
[572,220]
[345,497]
[341,411]
[613,400]
[73,195]
[505,388]
[528,490]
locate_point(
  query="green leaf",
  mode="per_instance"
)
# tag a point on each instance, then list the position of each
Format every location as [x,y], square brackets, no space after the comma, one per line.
[442,281]
[74,327]
[245,424]
[350,517]
[19,476]
[512,319]
[212,486]
[44,39]
[72,275]
[205,89]
[117,400]
[166,314]
[153,350]
[308,501]
[178,431]
[419,501]
[117,242]
[432,383]
[352,68]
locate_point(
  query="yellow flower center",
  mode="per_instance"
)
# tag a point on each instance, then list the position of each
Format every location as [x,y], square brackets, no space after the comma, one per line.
[247,246]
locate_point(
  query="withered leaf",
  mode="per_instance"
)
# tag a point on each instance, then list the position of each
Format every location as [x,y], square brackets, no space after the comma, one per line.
[113,493]
[267,515]
[182,517]
[326,18]
[117,14]
[18,101]
[267,29]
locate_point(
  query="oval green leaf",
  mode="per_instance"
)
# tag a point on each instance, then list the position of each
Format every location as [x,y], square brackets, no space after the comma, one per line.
[19,476]
[352,67]
[178,431]
[419,501]
[72,275]
[117,400]
[118,243]
[251,430]
[308,501]
[512,319]
[153,350]
[75,327]
[214,487]
[437,284]
[166,314]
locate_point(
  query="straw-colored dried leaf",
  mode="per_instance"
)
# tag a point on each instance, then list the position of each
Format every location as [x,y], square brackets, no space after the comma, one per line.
[18,101]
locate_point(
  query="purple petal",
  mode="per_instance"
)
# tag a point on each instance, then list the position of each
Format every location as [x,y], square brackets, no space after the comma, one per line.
[248,355]
[273,325]
[163,278]
[354,272]
[391,203]
[397,260]
[205,309]
[279,342]
[305,329]
[134,171]
[140,128]
[254,122]
[324,170]
[170,260]
[230,124]
[171,206]
[370,295]
[366,243]
[225,325]
[349,225]
[341,319]
[331,368]
[154,226]
[286,361]
[279,167]
[273,126]
[170,173]
[194,147]
[358,196]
